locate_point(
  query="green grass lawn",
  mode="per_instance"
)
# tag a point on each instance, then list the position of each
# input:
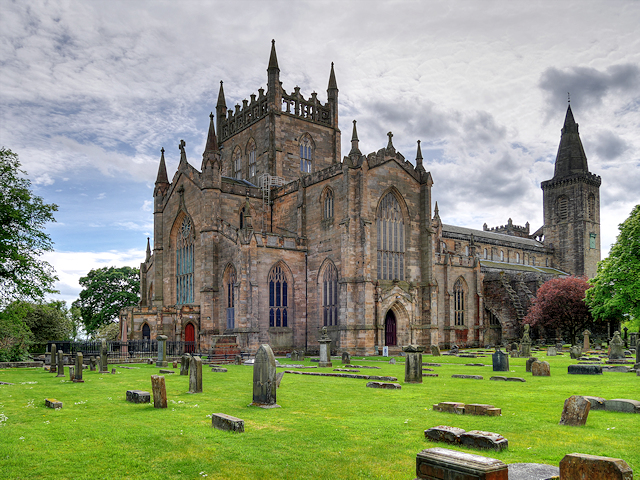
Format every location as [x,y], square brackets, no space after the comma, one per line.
[327,428]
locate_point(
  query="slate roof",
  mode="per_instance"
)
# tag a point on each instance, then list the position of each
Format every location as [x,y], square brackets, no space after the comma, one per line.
[519,267]
[502,238]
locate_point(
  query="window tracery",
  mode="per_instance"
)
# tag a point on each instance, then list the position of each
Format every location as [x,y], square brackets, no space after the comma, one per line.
[184,262]
[390,230]
[278,297]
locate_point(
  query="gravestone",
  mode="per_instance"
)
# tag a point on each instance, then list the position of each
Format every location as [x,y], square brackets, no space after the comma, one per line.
[633,339]
[138,396]
[413,363]
[616,347]
[575,352]
[92,364]
[175,364]
[586,345]
[264,378]
[227,423]
[540,369]
[237,360]
[104,364]
[72,372]
[529,363]
[435,350]
[584,369]
[184,364]
[162,351]
[392,361]
[552,351]
[580,466]
[525,345]
[575,411]
[454,350]
[484,440]
[384,385]
[500,360]
[195,375]
[52,358]
[159,391]
[637,365]
[439,463]
[300,355]
[444,433]
[346,358]
[52,403]
[325,349]
[79,367]
[60,364]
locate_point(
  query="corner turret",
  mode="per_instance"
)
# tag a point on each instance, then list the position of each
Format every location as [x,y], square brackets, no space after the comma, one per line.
[162,180]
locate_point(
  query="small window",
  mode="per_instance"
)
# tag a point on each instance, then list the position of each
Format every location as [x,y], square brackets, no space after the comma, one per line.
[486,254]
[306,152]
[458,303]
[237,163]
[252,159]
[466,250]
[517,258]
[592,240]
[328,204]
[278,298]
[501,255]
[330,296]
[146,332]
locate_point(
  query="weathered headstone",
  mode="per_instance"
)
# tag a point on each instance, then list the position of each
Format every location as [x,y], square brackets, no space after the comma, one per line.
[52,359]
[413,363]
[138,396]
[79,367]
[162,351]
[633,339]
[580,466]
[584,369]
[325,349]
[104,363]
[637,365]
[184,364]
[540,369]
[529,363]
[52,403]
[484,440]
[195,375]
[237,361]
[500,360]
[175,364]
[444,433]
[228,423]
[616,347]
[575,352]
[264,377]
[392,361]
[279,377]
[72,372]
[444,463]
[92,363]
[159,391]
[552,351]
[622,405]
[525,344]
[346,358]
[454,350]
[586,345]
[575,411]
[60,364]
[435,350]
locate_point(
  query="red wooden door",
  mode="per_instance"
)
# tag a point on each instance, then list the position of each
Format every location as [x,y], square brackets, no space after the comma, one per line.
[189,338]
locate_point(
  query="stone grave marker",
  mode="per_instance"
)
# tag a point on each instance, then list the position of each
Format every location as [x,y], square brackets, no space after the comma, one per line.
[622,405]
[104,363]
[540,369]
[616,347]
[413,363]
[92,364]
[325,349]
[500,360]
[392,361]
[580,466]
[72,372]
[52,403]
[529,363]
[264,378]
[484,440]
[346,358]
[159,391]
[525,344]
[195,374]
[437,463]
[575,411]
[184,364]
[384,385]
[227,423]
[138,396]
[586,345]
[582,369]
[175,364]
[575,352]
[435,350]
[454,350]
[162,351]
[60,364]
[444,433]
[237,361]
[52,359]
[552,351]
[79,367]
[279,376]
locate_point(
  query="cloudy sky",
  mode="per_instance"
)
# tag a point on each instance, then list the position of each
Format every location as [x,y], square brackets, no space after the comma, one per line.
[90,92]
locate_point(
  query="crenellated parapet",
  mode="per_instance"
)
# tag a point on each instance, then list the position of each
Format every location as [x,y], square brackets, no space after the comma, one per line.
[311,110]
[243,117]
[510,229]
[587,177]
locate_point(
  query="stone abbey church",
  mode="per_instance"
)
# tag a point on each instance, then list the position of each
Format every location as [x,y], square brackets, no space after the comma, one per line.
[277,235]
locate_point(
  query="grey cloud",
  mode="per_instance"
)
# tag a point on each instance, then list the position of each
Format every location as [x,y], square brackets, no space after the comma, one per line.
[608,145]
[587,86]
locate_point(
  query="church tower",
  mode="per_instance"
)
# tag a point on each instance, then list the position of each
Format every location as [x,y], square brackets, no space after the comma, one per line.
[571,201]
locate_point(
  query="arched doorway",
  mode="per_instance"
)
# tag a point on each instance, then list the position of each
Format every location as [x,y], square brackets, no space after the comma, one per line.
[189,338]
[390,338]
[146,332]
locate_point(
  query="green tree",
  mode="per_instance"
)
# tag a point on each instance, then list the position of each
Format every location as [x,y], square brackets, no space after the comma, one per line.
[105,292]
[23,215]
[48,321]
[615,290]
[15,336]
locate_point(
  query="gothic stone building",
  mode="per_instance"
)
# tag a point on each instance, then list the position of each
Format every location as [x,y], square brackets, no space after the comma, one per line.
[276,235]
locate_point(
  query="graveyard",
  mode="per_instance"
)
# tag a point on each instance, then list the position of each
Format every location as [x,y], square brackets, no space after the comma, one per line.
[326,427]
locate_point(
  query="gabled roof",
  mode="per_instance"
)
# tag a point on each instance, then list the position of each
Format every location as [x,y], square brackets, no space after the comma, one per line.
[479,235]
[519,267]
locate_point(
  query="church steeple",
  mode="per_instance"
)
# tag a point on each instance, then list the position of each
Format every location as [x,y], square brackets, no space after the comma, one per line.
[274,89]
[333,85]
[162,180]
[332,96]
[354,141]
[221,107]
[419,156]
[571,159]
[148,255]
[212,141]
[273,58]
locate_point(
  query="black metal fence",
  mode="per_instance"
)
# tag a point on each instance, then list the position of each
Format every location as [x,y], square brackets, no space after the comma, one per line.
[124,351]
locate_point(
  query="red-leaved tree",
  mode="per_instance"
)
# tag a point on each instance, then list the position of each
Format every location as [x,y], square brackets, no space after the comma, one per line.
[560,304]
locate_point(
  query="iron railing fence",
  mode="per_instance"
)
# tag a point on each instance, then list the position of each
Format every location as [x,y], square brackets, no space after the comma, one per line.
[124,351]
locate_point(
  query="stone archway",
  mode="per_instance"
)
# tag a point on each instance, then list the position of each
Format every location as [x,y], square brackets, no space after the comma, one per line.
[189,338]
[390,329]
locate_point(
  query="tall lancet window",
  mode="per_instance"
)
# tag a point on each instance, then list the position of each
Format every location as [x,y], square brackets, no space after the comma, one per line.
[330,295]
[237,163]
[278,298]
[328,204]
[251,153]
[306,154]
[390,230]
[184,262]
[230,282]
[458,302]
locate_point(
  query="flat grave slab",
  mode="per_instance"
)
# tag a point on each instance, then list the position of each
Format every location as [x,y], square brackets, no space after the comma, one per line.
[584,369]
[532,471]
[471,377]
[622,405]
[441,463]
[222,421]
[138,396]
[52,403]
[345,375]
[219,369]
[384,385]
[361,366]
[484,440]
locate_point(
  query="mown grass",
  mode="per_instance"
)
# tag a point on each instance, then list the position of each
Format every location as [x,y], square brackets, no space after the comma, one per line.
[327,428]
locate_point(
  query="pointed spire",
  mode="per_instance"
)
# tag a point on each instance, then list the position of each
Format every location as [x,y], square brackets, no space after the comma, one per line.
[419,156]
[212,141]
[436,212]
[162,170]
[221,100]
[333,85]
[571,159]
[273,59]
[354,141]
[148,257]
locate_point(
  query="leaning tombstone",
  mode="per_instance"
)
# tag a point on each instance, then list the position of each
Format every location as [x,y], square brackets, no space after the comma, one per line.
[500,360]
[184,364]
[579,466]
[79,367]
[529,363]
[325,349]
[413,363]
[195,375]
[104,363]
[162,351]
[540,369]
[575,411]
[52,359]
[637,365]
[264,378]
[60,364]
[616,347]
[586,345]
[435,350]
[346,358]
[159,391]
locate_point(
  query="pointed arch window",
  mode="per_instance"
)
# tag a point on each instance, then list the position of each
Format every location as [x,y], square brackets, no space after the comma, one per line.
[328,204]
[330,295]
[390,230]
[458,302]
[278,298]
[184,262]
[230,282]
[251,154]
[146,332]
[306,154]
[237,163]
[486,254]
